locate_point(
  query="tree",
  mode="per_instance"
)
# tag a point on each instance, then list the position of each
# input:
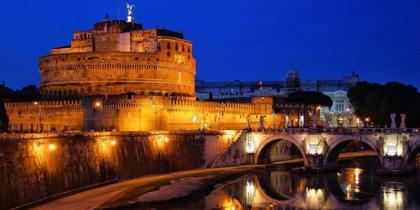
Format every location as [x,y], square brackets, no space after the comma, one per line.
[309,98]
[377,102]
[28,93]
[5,94]
[4,120]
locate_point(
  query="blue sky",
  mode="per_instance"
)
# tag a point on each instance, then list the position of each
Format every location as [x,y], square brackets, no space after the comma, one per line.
[236,39]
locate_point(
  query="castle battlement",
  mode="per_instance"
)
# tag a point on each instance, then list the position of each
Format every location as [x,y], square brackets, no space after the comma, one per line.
[43,104]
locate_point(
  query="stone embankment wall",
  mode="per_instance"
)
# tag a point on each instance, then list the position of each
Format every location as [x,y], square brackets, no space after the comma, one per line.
[36,167]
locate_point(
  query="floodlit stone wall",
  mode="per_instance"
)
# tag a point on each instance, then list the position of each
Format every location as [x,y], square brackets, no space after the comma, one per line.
[139,113]
[37,166]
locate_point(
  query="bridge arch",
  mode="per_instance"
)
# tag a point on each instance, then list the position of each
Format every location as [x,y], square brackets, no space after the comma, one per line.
[334,148]
[271,140]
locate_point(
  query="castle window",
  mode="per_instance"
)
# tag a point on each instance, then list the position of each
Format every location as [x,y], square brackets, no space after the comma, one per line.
[169,54]
[169,46]
[176,47]
[189,49]
[183,48]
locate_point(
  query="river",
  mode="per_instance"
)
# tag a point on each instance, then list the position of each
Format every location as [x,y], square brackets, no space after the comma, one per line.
[356,186]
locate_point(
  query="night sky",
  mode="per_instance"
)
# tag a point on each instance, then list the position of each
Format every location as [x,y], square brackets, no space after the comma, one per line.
[236,39]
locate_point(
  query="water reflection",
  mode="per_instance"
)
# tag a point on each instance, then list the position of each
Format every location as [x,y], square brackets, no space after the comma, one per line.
[351,188]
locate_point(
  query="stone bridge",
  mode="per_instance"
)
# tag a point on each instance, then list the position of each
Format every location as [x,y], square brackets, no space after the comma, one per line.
[320,148]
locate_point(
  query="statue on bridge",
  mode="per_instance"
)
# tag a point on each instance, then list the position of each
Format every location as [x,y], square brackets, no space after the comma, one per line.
[403,118]
[248,121]
[393,123]
[262,120]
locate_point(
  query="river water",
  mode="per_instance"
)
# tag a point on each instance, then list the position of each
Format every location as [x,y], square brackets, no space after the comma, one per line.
[356,186]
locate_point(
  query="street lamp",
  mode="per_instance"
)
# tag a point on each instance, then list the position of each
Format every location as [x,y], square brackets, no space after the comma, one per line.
[367,120]
[98,105]
[36,103]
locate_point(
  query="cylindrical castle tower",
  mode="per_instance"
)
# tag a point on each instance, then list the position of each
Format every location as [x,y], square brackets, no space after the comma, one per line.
[118,57]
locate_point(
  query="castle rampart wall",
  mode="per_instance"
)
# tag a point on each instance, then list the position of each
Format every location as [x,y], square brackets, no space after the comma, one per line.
[38,166]
[140,113]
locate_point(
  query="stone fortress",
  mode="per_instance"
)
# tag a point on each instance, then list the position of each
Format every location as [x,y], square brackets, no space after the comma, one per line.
[121,77]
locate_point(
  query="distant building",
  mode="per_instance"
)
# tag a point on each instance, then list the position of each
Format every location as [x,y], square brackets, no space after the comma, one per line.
[340,114]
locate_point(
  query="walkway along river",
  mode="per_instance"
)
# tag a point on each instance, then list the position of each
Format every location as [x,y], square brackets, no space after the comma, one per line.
[255,186]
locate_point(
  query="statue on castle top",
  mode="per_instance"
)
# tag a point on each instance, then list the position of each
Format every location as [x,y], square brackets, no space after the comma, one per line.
[130,12]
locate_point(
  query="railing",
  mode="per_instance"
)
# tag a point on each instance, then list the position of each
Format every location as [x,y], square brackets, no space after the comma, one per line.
[344,131]
[26,136]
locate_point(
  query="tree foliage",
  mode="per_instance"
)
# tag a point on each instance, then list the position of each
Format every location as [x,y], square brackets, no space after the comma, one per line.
[377,102]
[303,99]
[28,93]
[309,98]
[5,93]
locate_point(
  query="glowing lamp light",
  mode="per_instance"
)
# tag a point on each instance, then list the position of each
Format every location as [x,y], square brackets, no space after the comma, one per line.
[36,103]
[52,147]
[250,147]
[314,147]
[113,142]
[393,148]
[98,104]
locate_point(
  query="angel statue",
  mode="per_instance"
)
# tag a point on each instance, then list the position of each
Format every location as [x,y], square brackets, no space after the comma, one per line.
[130,11]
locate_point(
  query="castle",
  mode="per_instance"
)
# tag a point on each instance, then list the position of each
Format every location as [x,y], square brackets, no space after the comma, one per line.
[121,77]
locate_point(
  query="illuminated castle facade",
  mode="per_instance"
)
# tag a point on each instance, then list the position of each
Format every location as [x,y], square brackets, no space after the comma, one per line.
[119,76]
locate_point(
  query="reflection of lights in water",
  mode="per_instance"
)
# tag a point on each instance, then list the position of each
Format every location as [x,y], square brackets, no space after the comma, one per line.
[228,205]
[250,192]
[315,198]
[250,188]
[357,172]
[349,194]
[353,180]
[393,197]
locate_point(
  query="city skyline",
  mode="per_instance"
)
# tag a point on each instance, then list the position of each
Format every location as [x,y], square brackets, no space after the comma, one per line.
[323,40]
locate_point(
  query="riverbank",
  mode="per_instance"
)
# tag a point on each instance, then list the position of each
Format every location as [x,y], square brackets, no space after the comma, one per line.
[127,192]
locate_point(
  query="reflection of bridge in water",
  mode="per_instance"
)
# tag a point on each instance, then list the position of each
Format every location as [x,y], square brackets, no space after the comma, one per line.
[352,189]
[396,149]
